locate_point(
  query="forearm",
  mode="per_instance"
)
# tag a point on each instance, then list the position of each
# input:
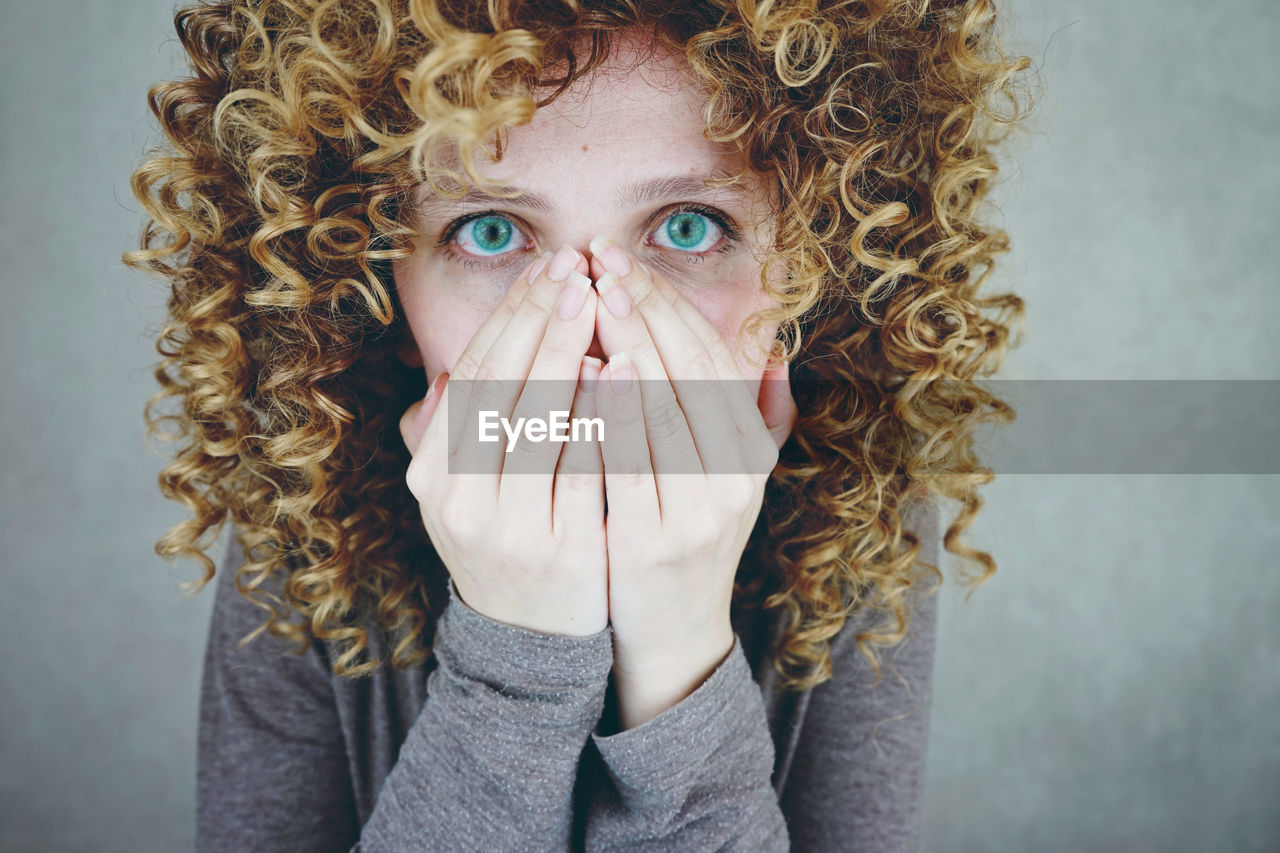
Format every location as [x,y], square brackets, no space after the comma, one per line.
[492,759]
[695,776]
[645,685]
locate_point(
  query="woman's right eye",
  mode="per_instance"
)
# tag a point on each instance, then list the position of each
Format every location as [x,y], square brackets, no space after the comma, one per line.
[489,235]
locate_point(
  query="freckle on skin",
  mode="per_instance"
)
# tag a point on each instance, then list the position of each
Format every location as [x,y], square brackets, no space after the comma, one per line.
[584,148]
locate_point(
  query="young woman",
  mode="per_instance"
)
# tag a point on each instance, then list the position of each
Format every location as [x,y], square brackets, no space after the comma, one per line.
[744,240]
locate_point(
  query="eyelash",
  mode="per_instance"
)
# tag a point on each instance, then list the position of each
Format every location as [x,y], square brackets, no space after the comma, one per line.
[446,240]
[728,229]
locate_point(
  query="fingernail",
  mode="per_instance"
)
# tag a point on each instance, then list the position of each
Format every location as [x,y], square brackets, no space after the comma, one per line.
[562,263]
[615,298]
[615,260]
[538,265]
[436,387]
[589,374]
[620,372]
[573,295]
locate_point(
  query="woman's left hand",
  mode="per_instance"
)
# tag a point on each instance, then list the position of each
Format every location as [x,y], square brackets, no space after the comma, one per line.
[687,454]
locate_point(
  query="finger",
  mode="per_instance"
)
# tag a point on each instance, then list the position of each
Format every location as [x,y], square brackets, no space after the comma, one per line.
[671,447]
[578,490]
[622,328]
[628,473]
[413,423]
[528,469]
[468,362]
[428,471]
[694,377]
[777,405]
[741,399]
[709,335]
[498,380]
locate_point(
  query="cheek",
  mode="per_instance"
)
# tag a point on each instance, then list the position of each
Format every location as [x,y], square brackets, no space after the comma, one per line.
[444,313]
[726,308]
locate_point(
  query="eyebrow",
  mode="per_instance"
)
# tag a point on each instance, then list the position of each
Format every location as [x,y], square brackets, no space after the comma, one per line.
[634,195]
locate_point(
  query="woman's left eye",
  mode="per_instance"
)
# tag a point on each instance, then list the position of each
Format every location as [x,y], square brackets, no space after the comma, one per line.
[688,231]
[489,235]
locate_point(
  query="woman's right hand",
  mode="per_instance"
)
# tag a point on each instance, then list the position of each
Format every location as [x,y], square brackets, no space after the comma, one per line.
[527,549]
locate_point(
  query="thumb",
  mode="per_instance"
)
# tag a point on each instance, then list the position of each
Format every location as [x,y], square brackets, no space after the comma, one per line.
[413,423]
[776,403]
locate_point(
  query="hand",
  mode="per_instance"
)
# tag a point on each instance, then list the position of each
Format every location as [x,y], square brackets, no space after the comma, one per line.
[687,455]
[517,552]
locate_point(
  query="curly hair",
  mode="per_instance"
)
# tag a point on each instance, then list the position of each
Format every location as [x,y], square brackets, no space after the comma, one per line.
[278,200]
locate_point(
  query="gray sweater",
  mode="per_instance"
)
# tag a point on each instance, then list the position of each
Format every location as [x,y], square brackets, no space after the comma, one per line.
[494,744]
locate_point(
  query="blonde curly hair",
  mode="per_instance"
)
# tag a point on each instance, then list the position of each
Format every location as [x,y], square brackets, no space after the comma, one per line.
[282,193]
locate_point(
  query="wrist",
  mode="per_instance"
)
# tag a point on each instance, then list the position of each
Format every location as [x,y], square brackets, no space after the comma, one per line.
[650,683]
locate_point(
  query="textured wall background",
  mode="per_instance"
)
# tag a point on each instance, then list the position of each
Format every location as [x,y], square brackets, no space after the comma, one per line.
[1114,687]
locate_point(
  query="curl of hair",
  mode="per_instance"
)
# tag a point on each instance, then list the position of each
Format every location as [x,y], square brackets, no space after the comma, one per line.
[282,191]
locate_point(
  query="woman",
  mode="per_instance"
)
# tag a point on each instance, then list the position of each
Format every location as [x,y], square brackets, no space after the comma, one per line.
[743,239]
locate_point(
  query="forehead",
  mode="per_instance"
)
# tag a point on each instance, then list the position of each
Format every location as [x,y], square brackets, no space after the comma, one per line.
[640,114]
[638,76]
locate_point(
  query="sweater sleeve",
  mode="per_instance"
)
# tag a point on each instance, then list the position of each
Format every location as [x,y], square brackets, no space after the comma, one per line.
[695,777]
[698,776]
[489,763]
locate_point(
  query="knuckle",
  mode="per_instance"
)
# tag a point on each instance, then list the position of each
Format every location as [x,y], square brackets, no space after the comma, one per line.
[698,365]
[697,529]
[487,391]
[416,477]
[457,521]
[569,474]
[539,299]
[558,348]
[635,476]
[734,492]
[575,478]
[645,295]
[466,365]
[625,420]
[763,455]
[628,467]
[742,491]
[704,366]
[489,371]
[577,466]
[527,457]
[414,481]
[666,420]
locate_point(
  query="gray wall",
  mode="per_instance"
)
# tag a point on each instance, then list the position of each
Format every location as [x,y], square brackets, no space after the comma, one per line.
[1114,687]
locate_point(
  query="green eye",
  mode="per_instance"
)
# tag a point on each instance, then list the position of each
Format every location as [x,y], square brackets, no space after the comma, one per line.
[486,235]
[688,231]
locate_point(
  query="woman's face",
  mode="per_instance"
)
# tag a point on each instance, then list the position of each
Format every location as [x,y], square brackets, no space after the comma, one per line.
[621,153]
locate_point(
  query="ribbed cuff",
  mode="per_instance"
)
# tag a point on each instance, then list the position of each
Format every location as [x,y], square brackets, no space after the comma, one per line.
[671,752]
[495,652]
